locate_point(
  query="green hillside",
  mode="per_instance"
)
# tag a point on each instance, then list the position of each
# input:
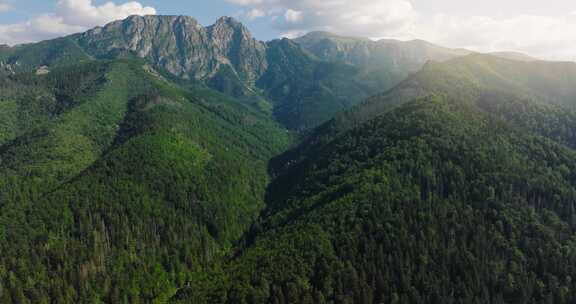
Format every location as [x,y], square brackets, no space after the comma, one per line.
[306,91]
[436,201]
[456,186]
[538,95]
[118,186]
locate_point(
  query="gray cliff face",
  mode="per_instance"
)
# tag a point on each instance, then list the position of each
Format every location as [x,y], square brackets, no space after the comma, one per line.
[227,56]
[181,45]
[234,42]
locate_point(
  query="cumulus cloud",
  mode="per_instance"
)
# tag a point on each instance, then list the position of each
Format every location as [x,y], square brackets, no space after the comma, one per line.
[255,13]
[5,6]
[69,16]
[543,36]
[353,17]
[293,16]
[550,37]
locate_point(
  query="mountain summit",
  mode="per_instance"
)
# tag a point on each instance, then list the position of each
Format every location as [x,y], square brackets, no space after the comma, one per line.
[180,45]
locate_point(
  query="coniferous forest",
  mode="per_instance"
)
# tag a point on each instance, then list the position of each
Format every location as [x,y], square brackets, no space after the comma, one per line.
[159,172]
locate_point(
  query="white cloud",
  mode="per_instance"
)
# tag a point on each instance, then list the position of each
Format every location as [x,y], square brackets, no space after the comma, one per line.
[70,16]
[247,2]
[255,13]
[551,37]
[352,17]
[83,12]
[293,16]
[4,7]
[542,36]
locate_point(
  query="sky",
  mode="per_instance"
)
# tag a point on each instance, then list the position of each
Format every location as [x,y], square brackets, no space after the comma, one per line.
[545,29]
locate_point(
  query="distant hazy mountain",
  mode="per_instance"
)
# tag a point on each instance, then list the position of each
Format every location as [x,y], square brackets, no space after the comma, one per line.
[399,56]
[514,56]
[474,77]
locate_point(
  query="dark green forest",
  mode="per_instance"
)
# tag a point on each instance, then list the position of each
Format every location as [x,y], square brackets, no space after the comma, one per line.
[117,186]
[434,202]
[273,177]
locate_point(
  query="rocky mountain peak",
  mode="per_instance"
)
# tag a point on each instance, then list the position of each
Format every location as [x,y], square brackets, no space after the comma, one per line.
[180,45]
[228,21]
[235,43]
[227,31]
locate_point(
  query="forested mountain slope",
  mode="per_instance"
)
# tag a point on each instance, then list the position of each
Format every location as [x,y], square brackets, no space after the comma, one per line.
[471,77]
[436,201]
[539,95]
[118,186]
[306,91]
[457,186]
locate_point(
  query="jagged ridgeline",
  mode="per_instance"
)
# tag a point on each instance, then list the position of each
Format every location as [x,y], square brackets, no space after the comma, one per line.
[302,82]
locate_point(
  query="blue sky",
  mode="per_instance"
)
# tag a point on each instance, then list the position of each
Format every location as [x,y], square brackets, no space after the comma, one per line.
[540,28]
[206,12]
[24,9]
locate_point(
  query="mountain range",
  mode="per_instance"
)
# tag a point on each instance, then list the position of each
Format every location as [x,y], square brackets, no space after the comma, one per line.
[155,160]
[304,82]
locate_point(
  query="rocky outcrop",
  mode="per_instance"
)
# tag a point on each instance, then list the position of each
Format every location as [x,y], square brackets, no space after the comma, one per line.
[235,43]
[180,45]
[175,43]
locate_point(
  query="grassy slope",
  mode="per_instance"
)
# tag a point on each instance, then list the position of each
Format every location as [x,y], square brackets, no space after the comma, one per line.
[56,52]
[57,144]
